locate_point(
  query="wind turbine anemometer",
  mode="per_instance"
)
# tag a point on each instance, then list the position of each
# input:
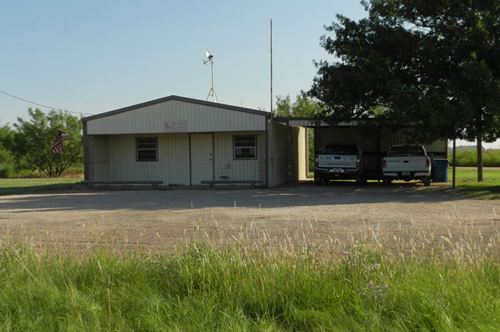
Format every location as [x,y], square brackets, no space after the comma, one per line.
[209,59]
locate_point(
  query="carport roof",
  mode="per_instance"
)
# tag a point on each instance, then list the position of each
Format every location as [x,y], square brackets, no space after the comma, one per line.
[314,122]
[177,98]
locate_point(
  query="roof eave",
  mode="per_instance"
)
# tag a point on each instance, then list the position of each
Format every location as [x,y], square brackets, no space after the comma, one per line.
[177,98]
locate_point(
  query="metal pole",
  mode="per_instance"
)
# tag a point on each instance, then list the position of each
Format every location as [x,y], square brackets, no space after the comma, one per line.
[454,182]
[479,149]
[212,93]
[271,61]
[212,65]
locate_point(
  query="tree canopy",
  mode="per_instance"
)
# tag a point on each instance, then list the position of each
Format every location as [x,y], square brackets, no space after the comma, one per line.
[32,139]
[435,64]
[6,159]
[302,107]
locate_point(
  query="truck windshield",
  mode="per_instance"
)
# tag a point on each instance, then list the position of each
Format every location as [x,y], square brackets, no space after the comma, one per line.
[343,149]
[407,150]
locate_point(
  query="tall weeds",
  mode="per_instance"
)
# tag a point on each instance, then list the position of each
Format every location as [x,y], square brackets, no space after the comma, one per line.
[203,288]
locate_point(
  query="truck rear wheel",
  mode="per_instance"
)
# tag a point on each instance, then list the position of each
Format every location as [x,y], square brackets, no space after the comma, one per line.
[387,181]
[318,180]
[427,182]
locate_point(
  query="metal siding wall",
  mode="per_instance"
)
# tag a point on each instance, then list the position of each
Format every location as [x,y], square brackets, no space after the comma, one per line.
[345,135]
[172,166]
[261,156]
[395,138]
[368,142]
[438,147]
[227,168]
[98,158]
[279,153]
[176,117]
[175,155]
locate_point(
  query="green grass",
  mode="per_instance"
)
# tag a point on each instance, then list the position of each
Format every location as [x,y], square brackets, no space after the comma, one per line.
[209,290]
[467,181]
[28,185]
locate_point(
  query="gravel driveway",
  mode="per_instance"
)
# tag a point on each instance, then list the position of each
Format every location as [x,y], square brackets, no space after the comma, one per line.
[329,217]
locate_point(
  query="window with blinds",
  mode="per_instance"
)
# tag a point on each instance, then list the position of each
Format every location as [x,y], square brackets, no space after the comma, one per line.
[146,148]
[244,147]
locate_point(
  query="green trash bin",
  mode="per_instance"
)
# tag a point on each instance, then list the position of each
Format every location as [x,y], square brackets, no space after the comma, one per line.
[440,170]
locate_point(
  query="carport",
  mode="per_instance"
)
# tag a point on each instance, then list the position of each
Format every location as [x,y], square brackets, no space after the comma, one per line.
[373,139]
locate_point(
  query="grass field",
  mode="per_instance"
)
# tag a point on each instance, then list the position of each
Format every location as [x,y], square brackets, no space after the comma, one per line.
[14,186]
[202,289]
[467,181]
[441,282]
[468,157]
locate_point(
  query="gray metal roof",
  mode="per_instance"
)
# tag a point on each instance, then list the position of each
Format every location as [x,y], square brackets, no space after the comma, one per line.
[177,98]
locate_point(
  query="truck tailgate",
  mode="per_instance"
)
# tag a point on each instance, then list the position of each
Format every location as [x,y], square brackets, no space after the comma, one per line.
[334,161]
[403,164]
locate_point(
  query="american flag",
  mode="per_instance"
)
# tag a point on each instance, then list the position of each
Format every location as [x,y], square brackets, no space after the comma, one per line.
[57,146]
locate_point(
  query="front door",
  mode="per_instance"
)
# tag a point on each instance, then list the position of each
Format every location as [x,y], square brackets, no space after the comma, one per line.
[201,158]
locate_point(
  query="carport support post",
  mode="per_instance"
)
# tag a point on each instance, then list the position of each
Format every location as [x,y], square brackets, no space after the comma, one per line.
[454,181]
[379,156]
[86,156]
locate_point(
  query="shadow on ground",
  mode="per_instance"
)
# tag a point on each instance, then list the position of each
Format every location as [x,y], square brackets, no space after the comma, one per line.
[40,189]
[76,197]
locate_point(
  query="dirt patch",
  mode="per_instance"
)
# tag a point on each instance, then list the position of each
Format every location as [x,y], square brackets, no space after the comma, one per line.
[332,217]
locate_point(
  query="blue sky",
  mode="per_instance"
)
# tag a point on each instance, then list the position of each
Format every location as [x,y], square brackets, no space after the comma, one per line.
[94,56]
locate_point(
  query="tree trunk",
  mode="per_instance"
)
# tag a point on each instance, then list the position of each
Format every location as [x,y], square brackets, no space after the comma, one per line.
[479,158]
[454,181]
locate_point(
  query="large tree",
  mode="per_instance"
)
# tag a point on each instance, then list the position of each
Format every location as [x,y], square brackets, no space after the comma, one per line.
[435,64]
[6,159]
[302,107]
[34,137]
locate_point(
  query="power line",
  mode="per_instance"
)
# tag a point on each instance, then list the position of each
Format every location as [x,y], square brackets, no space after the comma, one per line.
[38,104]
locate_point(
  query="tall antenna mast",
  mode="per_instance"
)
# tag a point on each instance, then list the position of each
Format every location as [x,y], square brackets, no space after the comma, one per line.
[271,60]
[210,60]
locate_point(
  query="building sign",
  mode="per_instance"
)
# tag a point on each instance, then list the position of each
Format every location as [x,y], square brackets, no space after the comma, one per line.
[175,125]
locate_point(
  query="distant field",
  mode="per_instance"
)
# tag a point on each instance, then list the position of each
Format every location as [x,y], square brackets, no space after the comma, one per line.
[27,185]
[468,157]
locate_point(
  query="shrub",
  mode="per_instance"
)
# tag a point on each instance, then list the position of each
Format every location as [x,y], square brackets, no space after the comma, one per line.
[6,170]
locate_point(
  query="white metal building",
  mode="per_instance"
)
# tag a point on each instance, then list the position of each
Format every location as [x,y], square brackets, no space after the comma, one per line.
[183,141]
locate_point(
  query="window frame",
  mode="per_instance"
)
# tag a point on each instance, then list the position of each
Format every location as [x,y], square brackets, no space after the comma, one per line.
[235,137]
[137,149]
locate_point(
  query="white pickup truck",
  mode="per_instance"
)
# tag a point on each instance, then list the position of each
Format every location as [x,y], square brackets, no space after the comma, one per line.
[339,161]
[407,162]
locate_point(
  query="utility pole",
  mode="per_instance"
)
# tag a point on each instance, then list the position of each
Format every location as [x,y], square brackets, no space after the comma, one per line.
[271,60]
